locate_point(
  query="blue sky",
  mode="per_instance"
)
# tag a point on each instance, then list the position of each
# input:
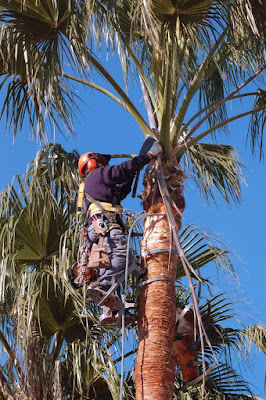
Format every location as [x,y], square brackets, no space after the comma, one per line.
[105,127]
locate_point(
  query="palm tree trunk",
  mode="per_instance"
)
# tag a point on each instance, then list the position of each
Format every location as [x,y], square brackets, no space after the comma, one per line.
[155,367]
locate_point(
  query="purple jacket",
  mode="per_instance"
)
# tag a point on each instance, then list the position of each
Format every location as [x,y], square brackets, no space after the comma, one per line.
[102,183]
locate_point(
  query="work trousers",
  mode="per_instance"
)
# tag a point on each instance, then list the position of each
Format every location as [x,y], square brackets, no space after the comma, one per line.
[116,243]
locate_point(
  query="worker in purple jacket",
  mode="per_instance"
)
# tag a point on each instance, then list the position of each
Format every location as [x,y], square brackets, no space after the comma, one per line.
[105,187]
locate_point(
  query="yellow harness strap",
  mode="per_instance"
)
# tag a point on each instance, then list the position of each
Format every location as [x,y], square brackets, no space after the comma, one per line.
[80,198]
[95,209]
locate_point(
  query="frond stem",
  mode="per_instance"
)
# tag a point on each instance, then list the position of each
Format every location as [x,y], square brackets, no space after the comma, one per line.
[195,84]
[195,140]
[213,105]
[10,353]
[167,108]
[127,104]
[220,103]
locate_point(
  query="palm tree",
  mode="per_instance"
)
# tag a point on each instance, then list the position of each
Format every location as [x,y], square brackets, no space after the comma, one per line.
[186,53]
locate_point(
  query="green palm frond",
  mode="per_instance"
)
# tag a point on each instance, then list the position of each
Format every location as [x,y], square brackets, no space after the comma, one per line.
[34,233]
[38,22]
[35,41]
[56,311]
[212,91]
[37,217]
[186,19]
[54,171]
[201,247]
[219,313]
[96,374]
[41,241]
[216,313]
[226,381]
[214,166]
[83,369]
[257,122]
[30,89]
[46,307]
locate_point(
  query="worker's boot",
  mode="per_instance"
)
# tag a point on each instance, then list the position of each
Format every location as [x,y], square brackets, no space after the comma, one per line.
[114,317]
[99,293]
[129,318]
[108,316]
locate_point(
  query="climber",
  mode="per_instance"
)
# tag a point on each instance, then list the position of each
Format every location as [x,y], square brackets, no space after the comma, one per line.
[105,187]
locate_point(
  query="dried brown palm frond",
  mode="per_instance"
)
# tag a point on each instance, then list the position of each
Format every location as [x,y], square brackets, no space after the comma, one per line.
[228,343]
[255,334]
[256,14]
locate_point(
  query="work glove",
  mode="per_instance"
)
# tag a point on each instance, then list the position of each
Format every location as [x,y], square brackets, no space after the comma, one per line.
[155,149]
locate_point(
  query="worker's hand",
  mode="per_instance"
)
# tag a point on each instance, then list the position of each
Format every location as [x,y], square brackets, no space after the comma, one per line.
[155,149]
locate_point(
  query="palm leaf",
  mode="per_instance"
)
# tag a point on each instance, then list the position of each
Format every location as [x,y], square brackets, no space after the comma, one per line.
[202,247]
[257,335]
[211,91]
[34,41]
[257,122]
[226,381]
[29,92]
[215,167]
[256,16]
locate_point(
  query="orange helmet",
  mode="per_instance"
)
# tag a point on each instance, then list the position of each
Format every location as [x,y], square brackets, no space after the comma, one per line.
[91,160]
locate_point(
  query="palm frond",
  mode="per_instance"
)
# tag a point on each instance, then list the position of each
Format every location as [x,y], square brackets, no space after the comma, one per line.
[257,122]
[35,42]
[30,90]
[37,232]
[211,91]
[226,381]
[255,334]
[217,167]
[255,12]
[203,246]
[54,172]
[187,19]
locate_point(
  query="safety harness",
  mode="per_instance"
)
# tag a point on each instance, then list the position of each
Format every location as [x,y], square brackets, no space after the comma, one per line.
[108,214]
[104,218]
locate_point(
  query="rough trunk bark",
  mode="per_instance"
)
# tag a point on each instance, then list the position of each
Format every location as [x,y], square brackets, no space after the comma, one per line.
[155,367]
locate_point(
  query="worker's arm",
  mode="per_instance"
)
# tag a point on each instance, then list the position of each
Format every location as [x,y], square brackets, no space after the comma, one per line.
[125,171]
